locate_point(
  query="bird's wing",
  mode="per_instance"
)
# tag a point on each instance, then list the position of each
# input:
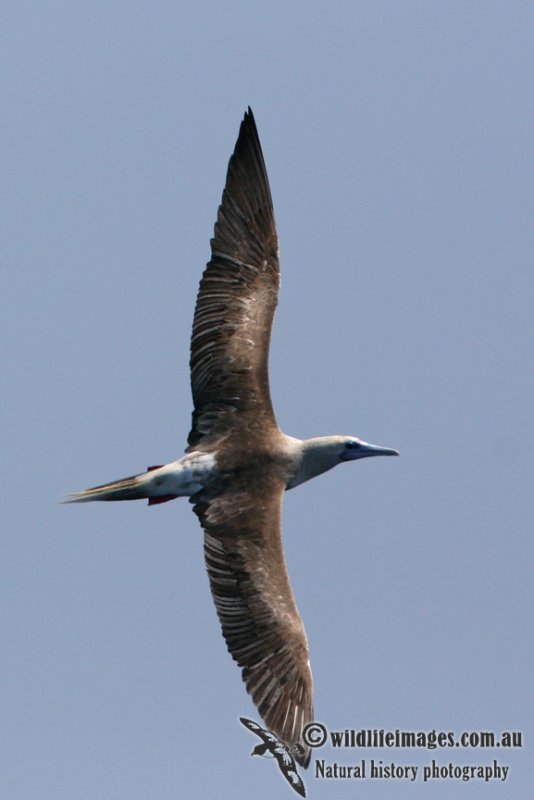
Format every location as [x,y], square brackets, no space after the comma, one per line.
[284,758]
[289,771]
[255,603]
[266,736]
[236,303]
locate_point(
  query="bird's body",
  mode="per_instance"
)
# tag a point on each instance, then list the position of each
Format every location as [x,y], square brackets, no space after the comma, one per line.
[239,463]
[289,460]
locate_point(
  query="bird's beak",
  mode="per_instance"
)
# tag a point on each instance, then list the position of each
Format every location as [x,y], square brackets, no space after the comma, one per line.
[365,450]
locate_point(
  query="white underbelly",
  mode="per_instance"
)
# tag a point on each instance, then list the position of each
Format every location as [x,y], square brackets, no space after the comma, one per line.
[181,478]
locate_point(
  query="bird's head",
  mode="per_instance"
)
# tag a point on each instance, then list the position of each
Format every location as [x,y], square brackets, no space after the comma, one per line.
[262,750]
[351,448]
[321,453]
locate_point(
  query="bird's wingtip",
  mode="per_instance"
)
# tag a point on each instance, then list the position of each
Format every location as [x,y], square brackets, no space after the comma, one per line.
[248,118]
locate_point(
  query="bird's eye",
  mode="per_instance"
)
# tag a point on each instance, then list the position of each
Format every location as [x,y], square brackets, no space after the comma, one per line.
[352,445]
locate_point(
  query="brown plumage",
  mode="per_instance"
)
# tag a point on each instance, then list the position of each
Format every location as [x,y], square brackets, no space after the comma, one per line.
[236,303]
[241,517]
[238,463]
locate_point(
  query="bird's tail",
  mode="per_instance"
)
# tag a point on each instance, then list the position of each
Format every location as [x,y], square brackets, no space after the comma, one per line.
[135,487]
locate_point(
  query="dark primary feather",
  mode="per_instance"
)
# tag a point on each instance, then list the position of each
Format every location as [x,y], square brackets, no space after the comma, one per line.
[255,604]
[236,302]
[233,416]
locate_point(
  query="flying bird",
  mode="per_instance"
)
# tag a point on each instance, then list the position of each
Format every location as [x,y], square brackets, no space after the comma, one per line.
[274,748]
[238,463]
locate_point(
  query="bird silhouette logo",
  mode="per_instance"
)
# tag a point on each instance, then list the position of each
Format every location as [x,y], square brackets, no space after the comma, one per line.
[272,747]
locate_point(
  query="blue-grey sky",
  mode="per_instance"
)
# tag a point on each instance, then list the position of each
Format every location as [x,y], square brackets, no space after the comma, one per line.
[398,141]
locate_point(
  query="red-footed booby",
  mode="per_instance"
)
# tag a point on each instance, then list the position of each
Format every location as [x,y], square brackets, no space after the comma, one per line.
[238,463]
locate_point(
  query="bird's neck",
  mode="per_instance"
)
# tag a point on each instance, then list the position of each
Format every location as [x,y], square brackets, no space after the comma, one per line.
[313,457]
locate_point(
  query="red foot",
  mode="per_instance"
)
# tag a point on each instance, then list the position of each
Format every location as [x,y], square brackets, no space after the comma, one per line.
[153,501]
